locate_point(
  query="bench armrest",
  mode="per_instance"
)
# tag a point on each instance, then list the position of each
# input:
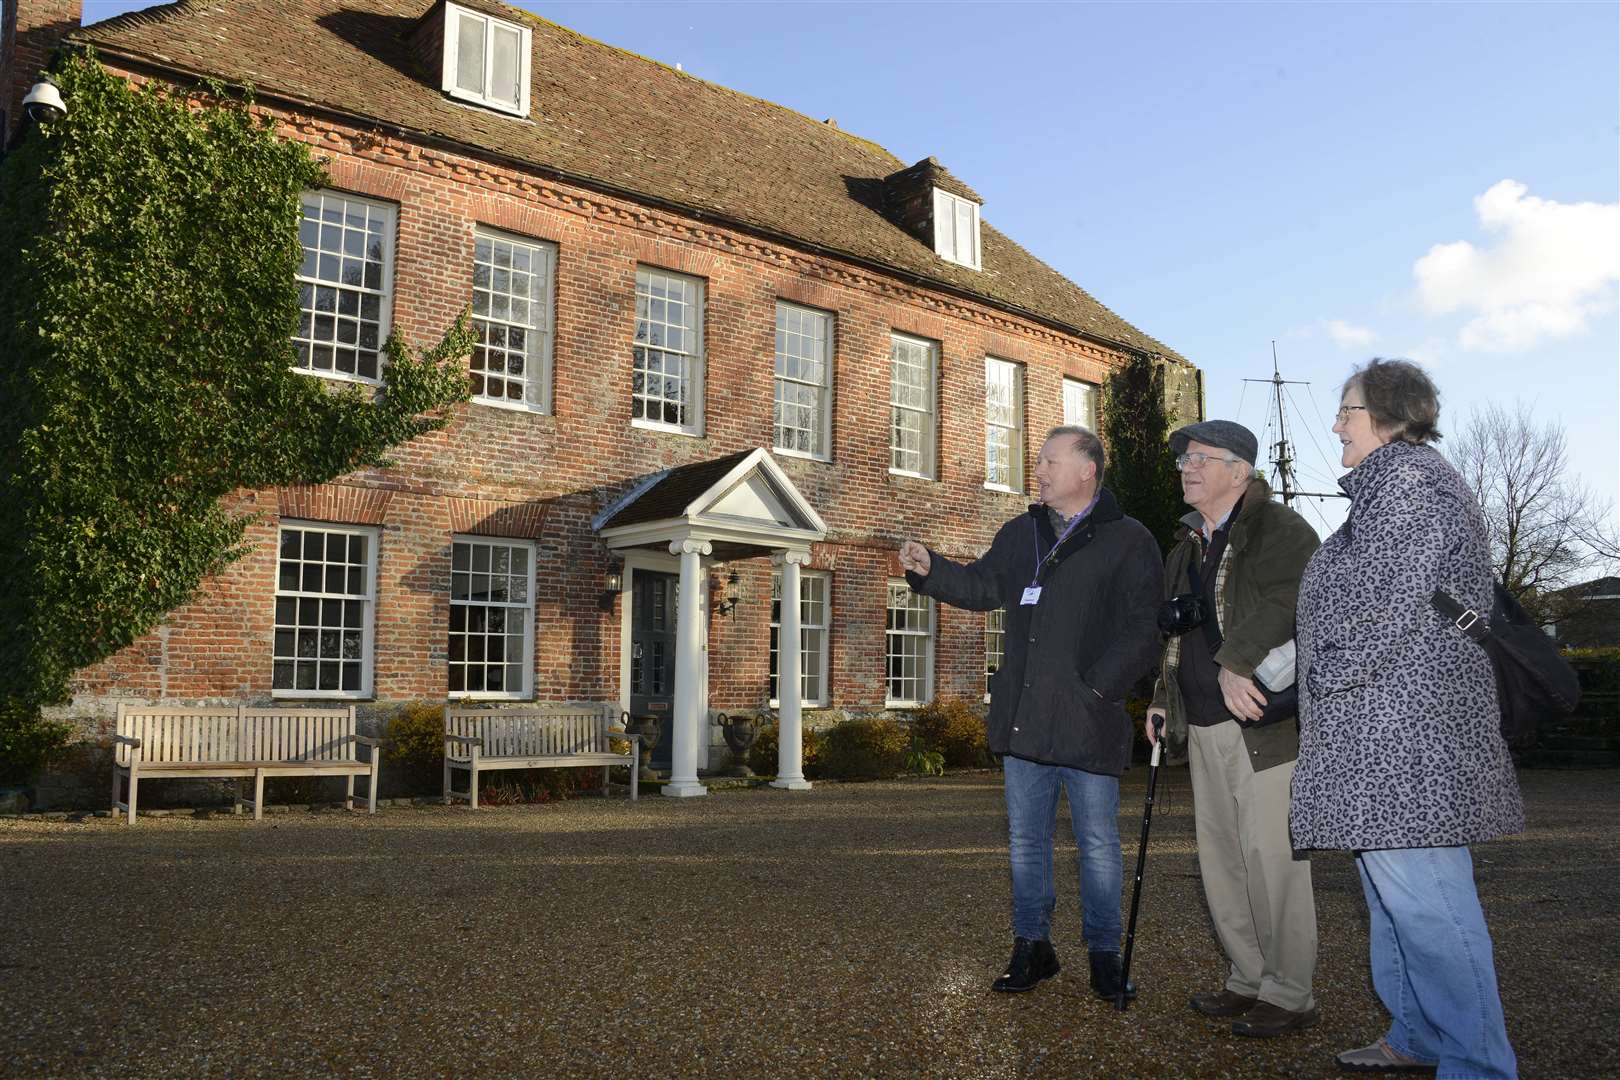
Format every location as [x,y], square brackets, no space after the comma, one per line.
[465,740]
[127,740]
[368,740]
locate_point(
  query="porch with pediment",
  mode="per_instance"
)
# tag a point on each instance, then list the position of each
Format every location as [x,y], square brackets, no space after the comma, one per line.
[736,507]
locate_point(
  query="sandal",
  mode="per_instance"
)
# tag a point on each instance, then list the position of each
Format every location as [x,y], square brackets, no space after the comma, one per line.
[1381,1057]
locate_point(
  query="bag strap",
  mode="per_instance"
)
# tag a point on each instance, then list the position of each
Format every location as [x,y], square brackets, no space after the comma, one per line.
[1211,628]
[1465,619]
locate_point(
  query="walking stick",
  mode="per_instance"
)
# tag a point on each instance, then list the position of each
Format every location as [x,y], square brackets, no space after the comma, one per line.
[1121,1000]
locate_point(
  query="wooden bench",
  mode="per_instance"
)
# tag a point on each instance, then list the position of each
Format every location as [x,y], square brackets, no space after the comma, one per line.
[483,739]
[233,741]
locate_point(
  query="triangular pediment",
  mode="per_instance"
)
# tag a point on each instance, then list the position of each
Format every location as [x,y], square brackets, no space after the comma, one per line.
[754,498]
[743,498]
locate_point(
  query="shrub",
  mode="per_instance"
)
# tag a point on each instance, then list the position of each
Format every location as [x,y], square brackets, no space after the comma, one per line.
[28,741]
[923,761]
[762,755]
[415,738]
[956,729]
[865,750]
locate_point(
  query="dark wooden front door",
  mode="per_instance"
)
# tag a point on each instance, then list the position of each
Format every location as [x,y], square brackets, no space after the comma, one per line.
[652,655]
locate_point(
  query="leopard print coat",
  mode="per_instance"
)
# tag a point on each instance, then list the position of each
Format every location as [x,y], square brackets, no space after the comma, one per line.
[1399,744]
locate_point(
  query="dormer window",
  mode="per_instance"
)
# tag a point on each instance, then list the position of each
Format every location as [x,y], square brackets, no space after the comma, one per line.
[956,229]
[486,60]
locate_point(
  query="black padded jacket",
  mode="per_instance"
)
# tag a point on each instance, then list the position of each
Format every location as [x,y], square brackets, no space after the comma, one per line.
[1070,658]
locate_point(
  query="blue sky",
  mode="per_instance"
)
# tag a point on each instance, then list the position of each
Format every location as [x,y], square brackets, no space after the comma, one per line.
[1436,181]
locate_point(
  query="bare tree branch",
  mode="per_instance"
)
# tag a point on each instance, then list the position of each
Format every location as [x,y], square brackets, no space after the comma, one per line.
[1545,529]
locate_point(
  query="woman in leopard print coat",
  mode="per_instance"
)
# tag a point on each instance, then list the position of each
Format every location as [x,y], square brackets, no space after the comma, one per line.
[1400,759]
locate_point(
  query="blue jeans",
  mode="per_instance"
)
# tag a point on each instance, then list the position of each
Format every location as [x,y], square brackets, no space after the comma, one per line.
[1032,799]
[1431,961]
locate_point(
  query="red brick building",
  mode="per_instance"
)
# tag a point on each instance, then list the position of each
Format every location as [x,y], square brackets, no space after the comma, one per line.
[713,331]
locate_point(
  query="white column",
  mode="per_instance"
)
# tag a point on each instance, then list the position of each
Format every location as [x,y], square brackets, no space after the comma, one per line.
[690,708]
[790,728]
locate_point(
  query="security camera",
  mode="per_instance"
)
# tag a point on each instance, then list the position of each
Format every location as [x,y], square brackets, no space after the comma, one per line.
[44,103]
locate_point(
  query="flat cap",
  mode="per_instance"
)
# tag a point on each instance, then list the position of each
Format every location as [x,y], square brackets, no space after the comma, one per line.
[1225,434]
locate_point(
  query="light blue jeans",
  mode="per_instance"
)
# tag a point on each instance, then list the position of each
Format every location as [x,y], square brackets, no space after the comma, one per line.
[1032,799]
[1431,961]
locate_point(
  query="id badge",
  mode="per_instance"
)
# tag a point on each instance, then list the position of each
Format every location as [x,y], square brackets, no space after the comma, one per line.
[1032,595]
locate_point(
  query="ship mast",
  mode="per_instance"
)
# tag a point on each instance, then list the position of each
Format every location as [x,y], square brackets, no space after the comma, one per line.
[1282,456]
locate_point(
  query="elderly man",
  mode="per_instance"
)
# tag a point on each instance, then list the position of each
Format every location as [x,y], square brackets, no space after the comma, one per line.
[1080,582]
[1234,576]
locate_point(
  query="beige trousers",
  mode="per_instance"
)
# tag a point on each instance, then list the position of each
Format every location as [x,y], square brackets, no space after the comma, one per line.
[1259,894]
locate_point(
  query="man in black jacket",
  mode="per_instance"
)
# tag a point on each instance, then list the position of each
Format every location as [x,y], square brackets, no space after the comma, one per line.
[1080,583]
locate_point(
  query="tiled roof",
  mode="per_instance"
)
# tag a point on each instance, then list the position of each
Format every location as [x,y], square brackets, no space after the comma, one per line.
[672,493]
[602,116]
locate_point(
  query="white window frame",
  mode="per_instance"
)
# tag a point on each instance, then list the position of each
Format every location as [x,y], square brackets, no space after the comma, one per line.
[996,373]
[894,588]
[308,335]
[693,358]
[900,344]
[995,644]
[368,603]
[537,379]
[805,628]
[1086,391]
[822,432]
[453,14]
[956,229]
[526,692]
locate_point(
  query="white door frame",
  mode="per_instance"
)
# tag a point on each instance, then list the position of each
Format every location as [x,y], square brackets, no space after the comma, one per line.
[664,563]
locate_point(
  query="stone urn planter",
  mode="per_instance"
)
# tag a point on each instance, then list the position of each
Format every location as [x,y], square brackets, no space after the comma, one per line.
[647,728]
[740,732]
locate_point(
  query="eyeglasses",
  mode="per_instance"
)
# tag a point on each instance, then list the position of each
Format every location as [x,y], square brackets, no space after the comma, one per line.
[1346,410]
[1197,459]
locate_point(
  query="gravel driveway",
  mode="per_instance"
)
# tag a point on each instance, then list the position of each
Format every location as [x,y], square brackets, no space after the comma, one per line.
[849,931]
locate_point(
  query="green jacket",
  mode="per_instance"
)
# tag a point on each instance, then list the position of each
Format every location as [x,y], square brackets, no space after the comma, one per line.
[1269,546]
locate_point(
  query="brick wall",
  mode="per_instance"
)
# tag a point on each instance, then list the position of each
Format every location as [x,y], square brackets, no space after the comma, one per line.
[544,476]
[29,32]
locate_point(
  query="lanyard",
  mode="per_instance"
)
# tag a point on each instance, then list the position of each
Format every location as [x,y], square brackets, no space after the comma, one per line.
[1035,534]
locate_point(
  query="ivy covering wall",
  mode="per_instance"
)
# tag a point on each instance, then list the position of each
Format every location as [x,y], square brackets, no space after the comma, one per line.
[1141,468]
[147,303]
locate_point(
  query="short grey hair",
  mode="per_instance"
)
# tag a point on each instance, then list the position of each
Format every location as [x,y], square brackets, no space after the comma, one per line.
[1085,442]
[1402,401]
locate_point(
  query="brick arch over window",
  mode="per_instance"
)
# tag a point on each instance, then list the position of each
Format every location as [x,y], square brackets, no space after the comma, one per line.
[487,517]
[364,178]
[504,213]
[811,294]
[672,255]
[923,326]
[1008,348]
[334,502]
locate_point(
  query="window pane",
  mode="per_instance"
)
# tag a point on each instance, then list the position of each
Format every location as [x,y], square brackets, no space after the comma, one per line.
[332,283]
[470,54]
[509,321]
[666,358]
[320,640]
[506,65]
[490,618]
[813,608]
[803,369]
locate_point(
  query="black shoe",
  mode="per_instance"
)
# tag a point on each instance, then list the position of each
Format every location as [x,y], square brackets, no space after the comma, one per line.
[1032,961]
[1105,976]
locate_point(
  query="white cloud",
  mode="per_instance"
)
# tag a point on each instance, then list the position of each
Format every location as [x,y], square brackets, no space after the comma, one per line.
[1348,335]
[1551,268]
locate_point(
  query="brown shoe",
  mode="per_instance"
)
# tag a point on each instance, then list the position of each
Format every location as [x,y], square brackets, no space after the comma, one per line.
[1222,1003]
[1267,1021]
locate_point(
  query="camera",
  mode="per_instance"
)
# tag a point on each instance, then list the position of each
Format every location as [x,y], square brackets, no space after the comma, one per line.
[1180,614]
